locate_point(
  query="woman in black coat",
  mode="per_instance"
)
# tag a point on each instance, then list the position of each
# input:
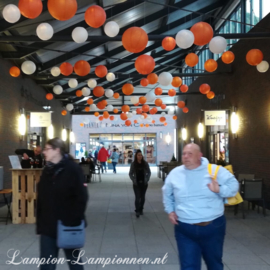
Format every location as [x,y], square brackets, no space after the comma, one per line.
[63,196]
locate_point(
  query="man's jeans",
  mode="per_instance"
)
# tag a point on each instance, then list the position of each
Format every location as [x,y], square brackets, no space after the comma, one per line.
[49,248]
[114,166]
[195,241]
[103,164]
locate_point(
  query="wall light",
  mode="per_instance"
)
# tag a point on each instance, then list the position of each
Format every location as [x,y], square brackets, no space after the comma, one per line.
[64,134]
[184,134]
[168,139]
[50,132]
[22,124]
[200,130]
[160,135]
[72,137]
[234,124]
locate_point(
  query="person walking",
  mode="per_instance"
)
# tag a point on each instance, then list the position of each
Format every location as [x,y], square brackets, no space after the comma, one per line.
[140,175]
[102,157]
[115,158]
[62,196]
[195,204]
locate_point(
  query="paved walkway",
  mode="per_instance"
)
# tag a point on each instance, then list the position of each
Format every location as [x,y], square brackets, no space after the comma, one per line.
[113,230]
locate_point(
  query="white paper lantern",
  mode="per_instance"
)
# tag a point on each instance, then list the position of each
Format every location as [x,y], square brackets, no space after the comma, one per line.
[45,31]
[165,78]
[69,107]
[134,112]
[28,67]
[109,93]
[263,66]
[86,91]
[110,77]
[150,96]
[218,45]
[92,83]
[111,29]
[163,113]
[109,107]
[79,34]
[55,71]
[129,115]
[184,39]
[11,13]
[57,89]
[93,107]
[73,83]
[134,100]
[142,116]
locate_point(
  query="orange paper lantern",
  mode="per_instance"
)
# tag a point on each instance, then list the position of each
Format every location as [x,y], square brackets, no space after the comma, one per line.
[135,121]
[127,89]
[115,110]
[116,95]
[112,117]
[128,123]
[228,57]
[168,43]
[137,104]
[162,119]
[171,92]
[123,116]
[158,91]
[184,88]
[165,124]
[125,108]
[101,118]
[106,115]
[144,82]
[104,102]
[81,124]
[254,57]
[139,111]
[147,125]
[210,95]
[145,108]
[142,100]
[141,125]
[153,121]
[158,102]
[145,64]
[90,101]
[14,71]
[174,117]
[152,78]
[135,39]
[64,112]
[205,88]
[66,69]
[176,82]
[95,16]
[203,33]
[98,91]
[144,115]
[181,104]
[82,68]
[163,106]
[30,9]
[96,114]
[185,110]
[101,71]
[87,109]
[79,93]
[210,65]
[62,10]
[192,59]
[49,96]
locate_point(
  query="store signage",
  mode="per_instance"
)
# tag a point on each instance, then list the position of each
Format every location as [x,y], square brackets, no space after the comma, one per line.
[118,125]
[215,118]
[40,119]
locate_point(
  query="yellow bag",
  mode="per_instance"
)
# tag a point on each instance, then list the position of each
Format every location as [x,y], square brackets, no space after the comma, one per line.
[232,200]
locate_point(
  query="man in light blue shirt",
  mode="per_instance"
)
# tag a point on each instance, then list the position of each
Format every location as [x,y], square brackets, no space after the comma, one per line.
[195,204]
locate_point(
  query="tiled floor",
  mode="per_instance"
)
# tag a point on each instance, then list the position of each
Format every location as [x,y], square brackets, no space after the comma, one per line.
[113,230]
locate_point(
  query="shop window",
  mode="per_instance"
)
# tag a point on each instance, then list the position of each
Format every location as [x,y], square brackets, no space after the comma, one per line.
[117,137]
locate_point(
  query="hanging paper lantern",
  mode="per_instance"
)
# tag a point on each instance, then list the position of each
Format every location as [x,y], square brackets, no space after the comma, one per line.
[158,91]
[86,91]
[165,78]
[79,93]
[109,93]
[87,109]
[210,95]
[96,114]
[11,13]
[150,96]
[58,89]
[109,108]
[115,110]
[218,45]
[183,88]
[142,100]
[125,108]
[127,89]
[145,64]
[263,66]
[185,110]
[14,71]
[135,121]
[176,82]
[168,43]
[90,101]
[144,115]
[30,9]
[135,39]
[181,104]
[101,71]
[144,82]
[111,117]
[44,31]
[205,88]
[163,106]
[55,71]
[134,100]
[93,107]
[171,92]
[203,33]
[153,121]
[98,91]
[110,77]
[152,78]
[228,57]
[64,112]
[72,83]
[95,16]
[79,34]
[92,83]
[192,59]
[116,95]
[106,115]
[128,123]
[123,116]
[111,29]
[62,10]
[162,119]
[158,102]
[66,69]
[210,65]
[184,39]
[82,68]
[28,67]
[145,108]
[49,96]
[101,118]
[141,125]
[174,117]
[254,57]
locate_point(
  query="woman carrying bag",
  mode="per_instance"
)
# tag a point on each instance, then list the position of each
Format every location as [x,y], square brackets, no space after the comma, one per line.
[140,174]
[61,204]
[115,158]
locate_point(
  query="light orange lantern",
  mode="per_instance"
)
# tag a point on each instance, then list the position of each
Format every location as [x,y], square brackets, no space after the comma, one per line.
[128,123]
[158,91]
[101,118]
[165,124]
[176,82]
[168,43]
[145,108]
[112,117]
[145,64]
[123,116]
[49,96]
[79,93]
[127,89]
[171,92]
[144,82]
[254,57]
[139,111]
[116,95]
[82,68]
[141,125]
[185,110]
[144,115]
[203,33]
[81,124]
[135,39]
[135,121]
[101,71]
[64,112]
[153,121]
[205,88]
[62,10]
[183,88]
[87,109]
[142,100]
[163,106]
[95,16]
[98,91]
[106,115]
[147,125]
[66,69]
[210,65]
[228,57]
[152,78]
[181,104]
[30,9]
[192,59]
[162,119]
[115,110]
[125,108]
[14,71]
[96,114]
[210,95]
[90,101]
[158,102]
[174,117]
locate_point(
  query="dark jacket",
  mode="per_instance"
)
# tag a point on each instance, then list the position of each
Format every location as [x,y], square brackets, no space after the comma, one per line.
[31,154]
[61,195]
[132,173]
